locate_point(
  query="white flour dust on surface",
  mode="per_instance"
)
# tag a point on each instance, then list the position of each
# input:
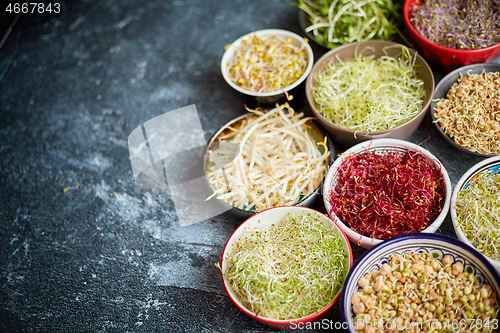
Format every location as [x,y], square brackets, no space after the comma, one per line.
[129,208]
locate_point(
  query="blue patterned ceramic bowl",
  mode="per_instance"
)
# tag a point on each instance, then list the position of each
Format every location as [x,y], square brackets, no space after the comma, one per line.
[435,245]
[488,166]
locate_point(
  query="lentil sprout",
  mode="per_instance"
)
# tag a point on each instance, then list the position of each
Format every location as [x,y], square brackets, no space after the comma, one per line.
[290,271]
[478,214]
[278,162]
[415,293]
[470,112]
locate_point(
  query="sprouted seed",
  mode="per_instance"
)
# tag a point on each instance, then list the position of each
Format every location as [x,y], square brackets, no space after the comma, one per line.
[337,22]
[267,64]
[470,112]
[414,292]
[458,24]
[290,271]
[384,194]
[478,213]
[367,94]
[278,162]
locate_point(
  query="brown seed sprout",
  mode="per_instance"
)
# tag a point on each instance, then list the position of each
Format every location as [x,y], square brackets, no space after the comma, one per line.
[470,113]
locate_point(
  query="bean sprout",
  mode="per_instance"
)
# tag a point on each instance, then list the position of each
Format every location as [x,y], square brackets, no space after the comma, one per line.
[278,163]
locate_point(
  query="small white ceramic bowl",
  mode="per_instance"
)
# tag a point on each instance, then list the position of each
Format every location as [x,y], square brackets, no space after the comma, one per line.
[381,146]
[267,98]
[490,165]
[264,221]
[433,244]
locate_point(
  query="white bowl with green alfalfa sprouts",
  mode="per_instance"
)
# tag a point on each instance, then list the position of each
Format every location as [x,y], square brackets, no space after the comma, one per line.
[475,209]
[286,266]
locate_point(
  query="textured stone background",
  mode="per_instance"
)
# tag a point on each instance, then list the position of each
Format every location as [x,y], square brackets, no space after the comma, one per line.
[110,256]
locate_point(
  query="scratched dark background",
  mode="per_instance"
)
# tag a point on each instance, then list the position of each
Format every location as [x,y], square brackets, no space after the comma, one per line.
[106,255]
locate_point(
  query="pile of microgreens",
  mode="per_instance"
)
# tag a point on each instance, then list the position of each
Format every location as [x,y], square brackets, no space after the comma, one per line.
[367,94]
[383,194]
[289,271]
[337,22]
[458,24]
[478,213]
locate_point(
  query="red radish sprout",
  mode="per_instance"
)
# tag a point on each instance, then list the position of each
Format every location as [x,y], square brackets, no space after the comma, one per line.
[380,195]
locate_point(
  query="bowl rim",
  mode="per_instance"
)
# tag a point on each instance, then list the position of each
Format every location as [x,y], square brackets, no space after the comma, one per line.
[313,122]
[473,171]
[228,54]
[406,14]
[276,322]
[324,58]
[414,237]
[373,144]
[457,72]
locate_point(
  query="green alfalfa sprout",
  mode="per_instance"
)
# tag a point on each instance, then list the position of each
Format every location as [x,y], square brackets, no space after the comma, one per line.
[478,213]
[290,271]
[367,94]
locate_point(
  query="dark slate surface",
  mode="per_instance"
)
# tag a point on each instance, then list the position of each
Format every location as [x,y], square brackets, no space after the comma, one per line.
[108,256]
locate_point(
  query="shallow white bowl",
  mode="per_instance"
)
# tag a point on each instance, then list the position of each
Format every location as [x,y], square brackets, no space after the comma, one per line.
[264,221]
[382,145]
[489,166]
[273,96]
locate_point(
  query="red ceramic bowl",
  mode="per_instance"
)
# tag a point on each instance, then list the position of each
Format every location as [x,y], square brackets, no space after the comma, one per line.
[450,59]
[265,220]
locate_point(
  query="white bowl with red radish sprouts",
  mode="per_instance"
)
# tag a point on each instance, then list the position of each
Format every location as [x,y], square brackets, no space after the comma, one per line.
[267,66]
[386,187]
[265,159]
[285,266]
[475,209]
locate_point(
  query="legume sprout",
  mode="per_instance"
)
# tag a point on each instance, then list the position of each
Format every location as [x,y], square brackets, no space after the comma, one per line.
[478,213]
[367,94]
[413,292]
[267,63]
[290,271]
[278,163]
[337,22]
[470,112]
[458,24]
